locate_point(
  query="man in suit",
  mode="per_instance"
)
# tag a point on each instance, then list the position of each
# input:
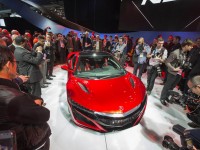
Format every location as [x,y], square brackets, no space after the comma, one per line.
[61,46]
[77,43]
[28,64]
[50,49]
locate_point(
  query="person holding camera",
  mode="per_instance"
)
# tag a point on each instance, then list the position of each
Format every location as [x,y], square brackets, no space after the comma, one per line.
[28,65]
[120,51]
[174,63]
[194,116]
[21,112]
[157,57]
[142,51]
[43,64]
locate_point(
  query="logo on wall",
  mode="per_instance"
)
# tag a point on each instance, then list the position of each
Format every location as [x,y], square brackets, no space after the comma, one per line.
[156,1]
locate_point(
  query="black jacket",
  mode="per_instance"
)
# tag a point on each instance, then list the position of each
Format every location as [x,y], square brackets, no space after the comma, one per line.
[195,70]
[20,113]
[50,51]
[28,64]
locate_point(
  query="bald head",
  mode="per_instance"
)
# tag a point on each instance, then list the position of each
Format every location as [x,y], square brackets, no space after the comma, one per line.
[15,32]
[194,84]
[14,36]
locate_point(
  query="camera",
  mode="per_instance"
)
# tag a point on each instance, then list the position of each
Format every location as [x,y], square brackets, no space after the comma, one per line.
[141,48]
[156,55]
[189,138]
[159,71]
[49,28]
[186,66]
[189,99]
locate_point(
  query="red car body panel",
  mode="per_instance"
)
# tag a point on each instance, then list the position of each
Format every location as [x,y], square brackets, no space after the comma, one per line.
[116,95]
[107,95]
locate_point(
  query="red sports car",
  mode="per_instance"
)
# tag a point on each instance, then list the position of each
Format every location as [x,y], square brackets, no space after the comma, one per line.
[101,94]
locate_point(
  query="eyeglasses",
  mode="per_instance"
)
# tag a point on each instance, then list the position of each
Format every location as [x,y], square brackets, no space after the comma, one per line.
[191,88]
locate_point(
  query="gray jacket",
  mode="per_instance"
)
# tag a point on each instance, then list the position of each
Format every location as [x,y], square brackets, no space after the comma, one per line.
[28,64]
[175,59]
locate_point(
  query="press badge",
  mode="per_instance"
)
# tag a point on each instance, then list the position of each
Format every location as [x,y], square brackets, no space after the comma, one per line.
[141,55]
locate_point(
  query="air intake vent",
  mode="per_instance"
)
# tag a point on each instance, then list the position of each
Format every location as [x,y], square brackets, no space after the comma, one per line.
[132,82]
[83,87]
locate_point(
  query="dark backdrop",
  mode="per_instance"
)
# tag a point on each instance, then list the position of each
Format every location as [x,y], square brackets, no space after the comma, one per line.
[98,15]
[19,24]
[169,16]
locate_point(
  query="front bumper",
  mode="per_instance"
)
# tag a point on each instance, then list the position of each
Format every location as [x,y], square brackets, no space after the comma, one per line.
[104,123]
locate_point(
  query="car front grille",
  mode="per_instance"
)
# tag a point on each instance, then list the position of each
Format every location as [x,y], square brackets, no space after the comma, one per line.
[118,122]
[121,122]
[108,123]
[82,109]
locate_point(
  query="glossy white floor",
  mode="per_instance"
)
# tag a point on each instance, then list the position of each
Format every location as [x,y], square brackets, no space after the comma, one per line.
[157,122]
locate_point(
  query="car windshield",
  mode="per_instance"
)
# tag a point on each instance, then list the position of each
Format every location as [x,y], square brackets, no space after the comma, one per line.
[94,66]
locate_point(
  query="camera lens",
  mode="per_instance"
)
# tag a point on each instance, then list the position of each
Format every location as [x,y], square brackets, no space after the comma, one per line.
[169,143]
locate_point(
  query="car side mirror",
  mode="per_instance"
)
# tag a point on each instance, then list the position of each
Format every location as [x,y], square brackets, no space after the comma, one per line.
[65,67]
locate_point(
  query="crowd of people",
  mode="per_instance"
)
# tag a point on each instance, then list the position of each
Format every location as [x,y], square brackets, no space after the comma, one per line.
[177,64]
[27,61]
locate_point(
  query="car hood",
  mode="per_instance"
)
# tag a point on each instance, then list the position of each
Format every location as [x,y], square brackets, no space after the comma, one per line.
[113,95]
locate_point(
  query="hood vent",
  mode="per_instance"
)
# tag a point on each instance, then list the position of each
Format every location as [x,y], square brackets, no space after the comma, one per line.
[132,82]
[83,87]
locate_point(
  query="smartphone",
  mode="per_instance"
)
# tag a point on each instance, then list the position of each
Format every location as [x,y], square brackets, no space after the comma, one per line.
[8,140]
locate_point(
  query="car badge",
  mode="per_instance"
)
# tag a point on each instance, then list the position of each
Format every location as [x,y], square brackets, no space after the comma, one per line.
[121,108]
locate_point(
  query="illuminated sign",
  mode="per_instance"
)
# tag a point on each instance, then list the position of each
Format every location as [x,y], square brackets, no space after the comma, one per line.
[156,1]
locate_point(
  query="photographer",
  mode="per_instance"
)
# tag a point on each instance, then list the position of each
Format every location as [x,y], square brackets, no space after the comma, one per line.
[194,115]
[157,57]
[142,52]
[120,50]
[28,65]
[43,64]
[174,64]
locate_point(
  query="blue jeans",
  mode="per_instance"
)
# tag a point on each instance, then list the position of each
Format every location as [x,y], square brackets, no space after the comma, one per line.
[140,67]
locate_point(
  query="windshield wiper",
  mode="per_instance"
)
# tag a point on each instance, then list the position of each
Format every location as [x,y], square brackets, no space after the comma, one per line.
[88,77]
[110,76]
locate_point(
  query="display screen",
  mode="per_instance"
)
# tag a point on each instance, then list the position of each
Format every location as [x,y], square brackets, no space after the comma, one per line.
[160,15]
